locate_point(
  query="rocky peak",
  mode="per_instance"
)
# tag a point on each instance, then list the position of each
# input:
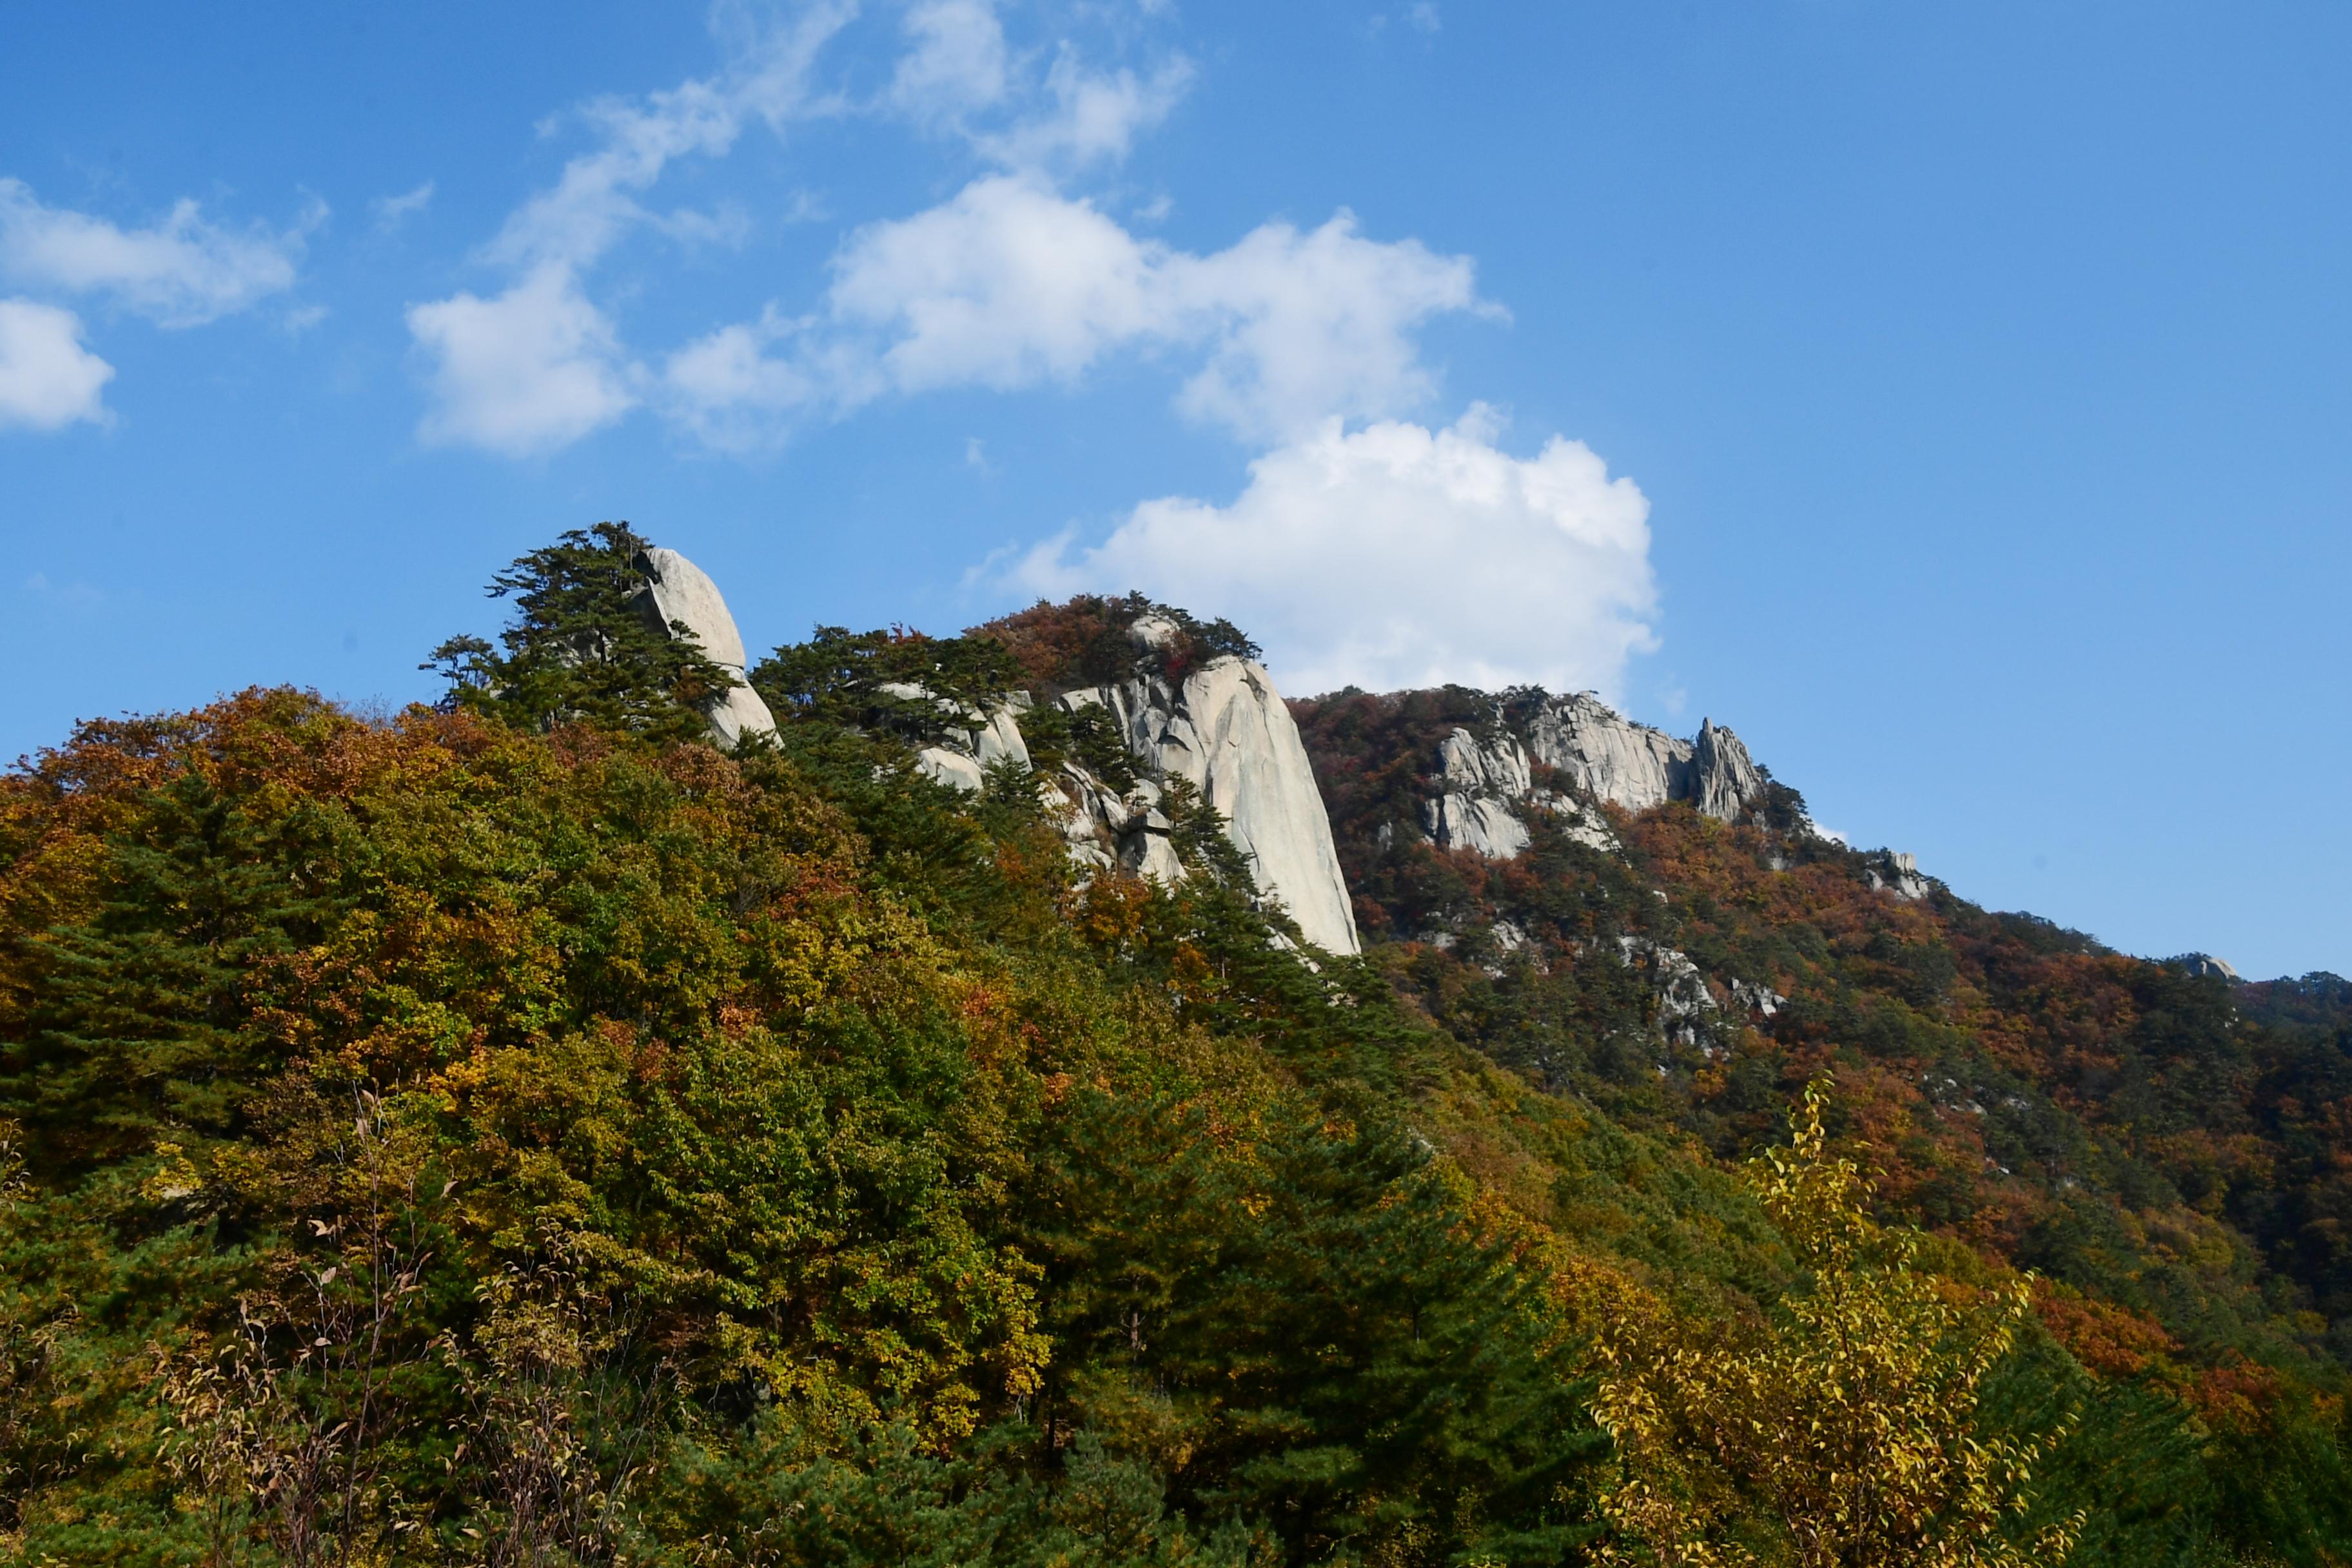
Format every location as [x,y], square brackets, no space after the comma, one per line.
[1484,781]
[678,593]
[1897,872]
[1225,730]
[1718,778]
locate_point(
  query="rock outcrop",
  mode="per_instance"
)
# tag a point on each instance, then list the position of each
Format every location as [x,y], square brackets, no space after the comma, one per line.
[1224,730]
[677,594]
[1229,733]
[1897,872]
[1485,783]
[1477,785]
[971,742]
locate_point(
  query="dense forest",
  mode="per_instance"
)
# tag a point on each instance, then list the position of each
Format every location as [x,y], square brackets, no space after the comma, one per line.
[514,1131]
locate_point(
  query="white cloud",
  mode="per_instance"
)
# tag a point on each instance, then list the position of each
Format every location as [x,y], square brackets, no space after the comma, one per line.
[1092,116]
[1014,285]
[182,272]
[1395,556]
[1008,285]
[959,74]
[593,200]
[1313,324]
[391,212]
[541,365]
[1011,284]
[955,62]
[521,372]
[729,392]
[47,380]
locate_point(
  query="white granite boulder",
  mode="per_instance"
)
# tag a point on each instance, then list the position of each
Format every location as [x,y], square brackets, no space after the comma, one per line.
[680,593]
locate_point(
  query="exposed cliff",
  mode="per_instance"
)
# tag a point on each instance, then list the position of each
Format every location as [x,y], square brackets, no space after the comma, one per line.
[1122,715]
[1561,755]
[1224,731]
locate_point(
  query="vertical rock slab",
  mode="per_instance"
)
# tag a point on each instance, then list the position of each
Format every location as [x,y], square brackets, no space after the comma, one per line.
[678,591]
[1231,734]
[1723,779]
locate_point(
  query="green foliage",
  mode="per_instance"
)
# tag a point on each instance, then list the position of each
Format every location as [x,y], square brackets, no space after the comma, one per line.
[835,674]
[583,646]
[2167,1147]
[1307,1332]
[518,1133]
[1088,736]
[443,1139]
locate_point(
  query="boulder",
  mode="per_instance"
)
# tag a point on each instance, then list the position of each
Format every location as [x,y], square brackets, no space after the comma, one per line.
[678,593]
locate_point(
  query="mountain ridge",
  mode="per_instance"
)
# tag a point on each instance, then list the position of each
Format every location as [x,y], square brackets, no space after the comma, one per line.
[521,1130]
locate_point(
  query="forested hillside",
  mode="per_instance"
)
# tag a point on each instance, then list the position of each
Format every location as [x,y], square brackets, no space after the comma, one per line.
[517,1132]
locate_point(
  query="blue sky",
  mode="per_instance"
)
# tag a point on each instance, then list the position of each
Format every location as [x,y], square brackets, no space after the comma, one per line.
[1952,400]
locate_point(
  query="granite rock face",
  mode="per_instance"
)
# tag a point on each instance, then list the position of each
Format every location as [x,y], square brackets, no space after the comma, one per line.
[679,593]
[1897,872]
[1609,757]
[1477,784]
[1225,731]
[1230,733]
[1484,789]
[1719,779]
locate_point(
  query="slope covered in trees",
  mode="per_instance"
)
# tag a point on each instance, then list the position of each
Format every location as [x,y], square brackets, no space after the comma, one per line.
[2167,1150]
[517,1132]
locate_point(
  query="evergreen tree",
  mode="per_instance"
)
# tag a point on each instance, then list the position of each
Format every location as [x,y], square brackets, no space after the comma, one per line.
[583,646]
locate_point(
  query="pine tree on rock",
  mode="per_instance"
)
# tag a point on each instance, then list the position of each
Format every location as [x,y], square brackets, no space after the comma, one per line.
[584,647]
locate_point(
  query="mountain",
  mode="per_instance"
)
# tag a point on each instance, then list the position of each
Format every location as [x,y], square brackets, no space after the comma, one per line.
[1036,1096]
[1684,949]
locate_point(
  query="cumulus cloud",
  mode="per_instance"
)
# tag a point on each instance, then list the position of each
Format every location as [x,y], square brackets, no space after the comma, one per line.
[730,392]
[47,380]
[1012,284]
[521,372]
[181,272]
[1396,556]
[1318,323]
[959,74]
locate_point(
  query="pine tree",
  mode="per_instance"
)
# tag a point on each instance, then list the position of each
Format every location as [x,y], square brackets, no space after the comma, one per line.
[584,648]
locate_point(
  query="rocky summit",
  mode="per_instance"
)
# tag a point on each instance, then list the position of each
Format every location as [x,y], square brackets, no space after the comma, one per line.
[1221,727]
[1224,728]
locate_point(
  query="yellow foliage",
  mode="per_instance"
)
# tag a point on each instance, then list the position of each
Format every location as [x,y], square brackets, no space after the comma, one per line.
[1837,1430]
